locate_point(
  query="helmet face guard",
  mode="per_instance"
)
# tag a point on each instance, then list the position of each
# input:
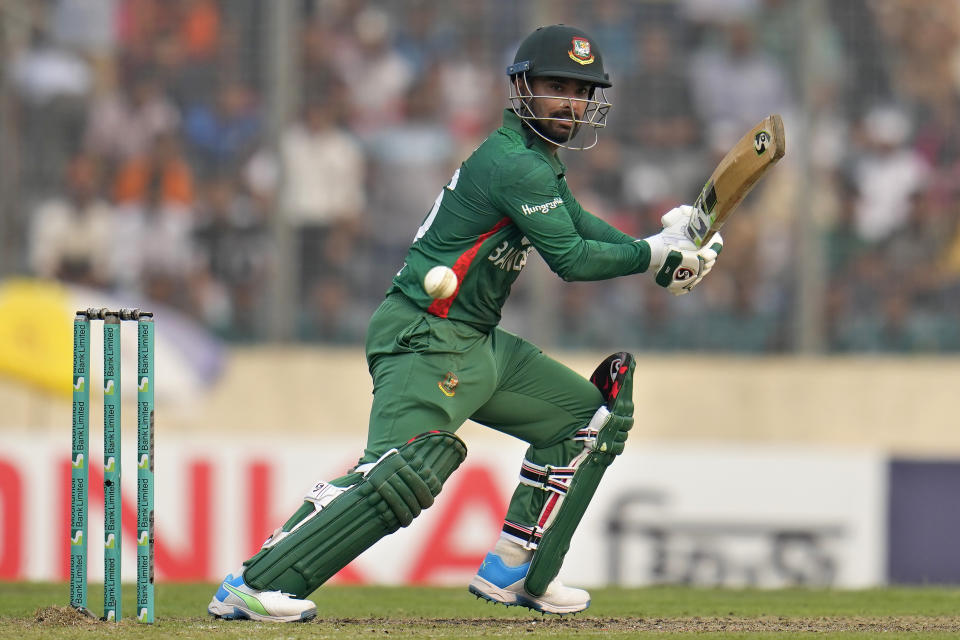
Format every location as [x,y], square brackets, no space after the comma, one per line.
[594,112]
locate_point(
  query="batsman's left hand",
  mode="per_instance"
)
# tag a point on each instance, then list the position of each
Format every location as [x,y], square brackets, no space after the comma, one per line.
[671,237]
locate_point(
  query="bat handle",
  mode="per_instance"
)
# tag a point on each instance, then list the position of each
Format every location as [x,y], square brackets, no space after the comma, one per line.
[698,230]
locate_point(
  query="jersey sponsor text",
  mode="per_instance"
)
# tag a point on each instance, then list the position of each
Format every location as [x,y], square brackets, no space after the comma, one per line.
[529,209]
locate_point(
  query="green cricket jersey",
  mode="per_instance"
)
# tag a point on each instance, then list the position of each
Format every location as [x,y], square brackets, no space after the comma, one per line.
[508,198]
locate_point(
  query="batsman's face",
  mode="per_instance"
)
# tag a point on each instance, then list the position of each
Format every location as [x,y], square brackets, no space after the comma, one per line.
[557,103]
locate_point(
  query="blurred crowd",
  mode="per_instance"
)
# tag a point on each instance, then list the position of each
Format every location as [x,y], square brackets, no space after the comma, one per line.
[143,159]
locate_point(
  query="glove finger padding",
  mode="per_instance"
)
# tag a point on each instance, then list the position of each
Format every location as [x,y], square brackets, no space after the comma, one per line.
[716,243]
[672,236]
[677,215]
[710,253]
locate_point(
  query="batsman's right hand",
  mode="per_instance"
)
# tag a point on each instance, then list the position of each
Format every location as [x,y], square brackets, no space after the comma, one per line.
[710,252]
[674,259]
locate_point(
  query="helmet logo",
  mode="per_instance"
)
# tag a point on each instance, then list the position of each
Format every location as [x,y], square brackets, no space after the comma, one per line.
[581,51]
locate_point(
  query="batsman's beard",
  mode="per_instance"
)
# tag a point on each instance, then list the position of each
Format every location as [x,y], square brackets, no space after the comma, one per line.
[551,127]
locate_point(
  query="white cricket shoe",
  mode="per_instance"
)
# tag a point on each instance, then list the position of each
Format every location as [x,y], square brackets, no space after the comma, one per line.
[497,582]
[234,600]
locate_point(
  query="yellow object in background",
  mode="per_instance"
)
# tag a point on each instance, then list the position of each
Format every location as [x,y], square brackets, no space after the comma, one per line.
[36,333]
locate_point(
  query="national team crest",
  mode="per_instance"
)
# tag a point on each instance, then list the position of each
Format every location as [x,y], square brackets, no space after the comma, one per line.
[581,51]
[449,384]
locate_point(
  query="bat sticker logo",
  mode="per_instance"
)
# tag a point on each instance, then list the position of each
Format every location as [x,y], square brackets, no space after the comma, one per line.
[683,273]
[700,221]
[760,142]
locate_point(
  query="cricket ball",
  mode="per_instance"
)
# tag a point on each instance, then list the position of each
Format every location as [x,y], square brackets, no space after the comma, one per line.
[440,282]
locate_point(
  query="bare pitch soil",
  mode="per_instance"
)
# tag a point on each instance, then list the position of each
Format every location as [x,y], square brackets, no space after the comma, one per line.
[59,617]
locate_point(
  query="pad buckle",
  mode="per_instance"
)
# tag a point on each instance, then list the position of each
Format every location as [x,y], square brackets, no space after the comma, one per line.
[547,478]
[526,537]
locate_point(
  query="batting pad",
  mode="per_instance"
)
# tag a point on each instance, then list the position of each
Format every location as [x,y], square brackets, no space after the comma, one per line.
[614,378]
[389,496]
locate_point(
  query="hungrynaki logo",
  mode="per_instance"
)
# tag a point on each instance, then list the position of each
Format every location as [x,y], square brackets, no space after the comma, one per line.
[541,208]
[581,51]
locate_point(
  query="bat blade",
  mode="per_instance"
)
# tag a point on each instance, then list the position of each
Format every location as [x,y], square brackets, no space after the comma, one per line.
[735,176]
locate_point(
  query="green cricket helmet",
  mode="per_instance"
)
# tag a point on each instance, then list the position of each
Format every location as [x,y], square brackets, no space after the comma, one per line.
[560,51]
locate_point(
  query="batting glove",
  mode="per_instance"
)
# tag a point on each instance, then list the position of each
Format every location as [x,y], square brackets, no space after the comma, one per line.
[674,259]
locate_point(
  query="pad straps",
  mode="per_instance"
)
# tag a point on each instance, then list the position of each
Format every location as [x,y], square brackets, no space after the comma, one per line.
[548,478]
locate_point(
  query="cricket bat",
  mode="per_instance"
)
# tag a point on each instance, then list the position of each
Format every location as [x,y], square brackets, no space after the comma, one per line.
[735,176]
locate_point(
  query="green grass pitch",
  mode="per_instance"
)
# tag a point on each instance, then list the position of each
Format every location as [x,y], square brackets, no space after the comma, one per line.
[30,611]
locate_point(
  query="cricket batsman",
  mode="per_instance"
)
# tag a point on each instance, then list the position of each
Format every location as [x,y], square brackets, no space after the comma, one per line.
[439,358]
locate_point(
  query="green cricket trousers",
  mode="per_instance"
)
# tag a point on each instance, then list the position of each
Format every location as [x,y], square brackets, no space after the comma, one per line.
[431,373]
